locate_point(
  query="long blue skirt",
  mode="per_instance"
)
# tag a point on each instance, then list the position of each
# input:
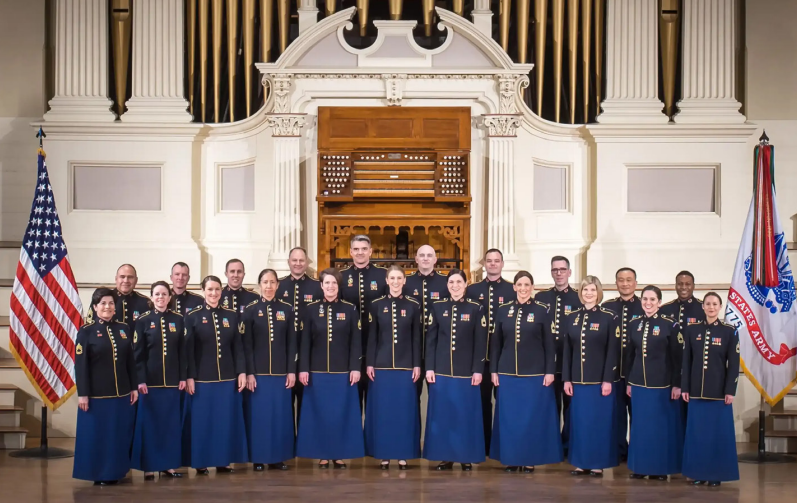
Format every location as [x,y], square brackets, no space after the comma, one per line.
[623,402]
[710,446]
[103,438]
[331,425]
[454,425]
[593,428]
[218,433]
[392,425]
[157,444]
[185,415]
[526,423]
[268,413]
[657,436]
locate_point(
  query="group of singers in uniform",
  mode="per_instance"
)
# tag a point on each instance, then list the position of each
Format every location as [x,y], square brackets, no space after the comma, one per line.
[219,378]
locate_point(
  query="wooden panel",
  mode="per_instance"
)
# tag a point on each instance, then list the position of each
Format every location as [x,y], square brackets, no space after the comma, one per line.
[356,128]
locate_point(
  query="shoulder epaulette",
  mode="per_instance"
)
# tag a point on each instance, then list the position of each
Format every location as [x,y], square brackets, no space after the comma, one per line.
[140,294]
[144,314]
[506,303]
[727,324]
[473,302]
[311,278]
[668,303]
[228,309]
[699,300]
[314,302]
[667,318]
[439,301]
[412,299]
[88,323]
[616,299]
[250,290]
[197,308]
[413,273]
[546,290]
[175,312]
[607,311]
[284,277]
[252,303]
[281,301]
[378,298]
[347,268]
[581,308]
[347,302]
[194,294]
[543,304]
[379,267]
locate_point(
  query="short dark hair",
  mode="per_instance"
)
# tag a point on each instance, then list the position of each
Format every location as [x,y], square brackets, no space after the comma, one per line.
[208,279]
[296,248]
[713,294]
[654,289]
[560,258]
[686,273]
[233,261]
[181,264]
[460,272]
[331,271]
[267,271]
[494,250]
[127,265]
[160,283]
[100,293]
[523,274]
[623,269]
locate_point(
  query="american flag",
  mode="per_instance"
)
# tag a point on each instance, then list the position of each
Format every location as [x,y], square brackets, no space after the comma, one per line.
[45,307]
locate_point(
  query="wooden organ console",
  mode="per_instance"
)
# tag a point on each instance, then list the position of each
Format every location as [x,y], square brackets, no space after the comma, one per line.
[400,176]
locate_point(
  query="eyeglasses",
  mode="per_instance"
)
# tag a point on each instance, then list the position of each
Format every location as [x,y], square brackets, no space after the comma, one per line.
[560,270]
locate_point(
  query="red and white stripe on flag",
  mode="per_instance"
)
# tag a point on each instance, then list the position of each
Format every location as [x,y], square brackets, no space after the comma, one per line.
[46,311]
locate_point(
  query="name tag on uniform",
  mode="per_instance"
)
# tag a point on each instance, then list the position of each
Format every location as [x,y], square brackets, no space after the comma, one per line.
[432,295]
[374,286]
[464,317]
[225,322]
[172,327]
[403,313]
[340,316]
[122,334]
[530,318]
[280,315]
[594,326]
[656,331]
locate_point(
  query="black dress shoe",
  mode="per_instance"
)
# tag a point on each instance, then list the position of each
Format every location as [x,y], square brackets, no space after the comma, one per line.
[149,476]
[106,482]
[662,478]
[277,466]
[323,466]
[466,467]
[714,483]
[170,475]
[593,473]
[202,471]
[511,469]
[636,476]
[403,466]
[339,465]
[384,465]
[526,469]
[258,467]
[224,469]
[577,473]
[445,465]
[697,482]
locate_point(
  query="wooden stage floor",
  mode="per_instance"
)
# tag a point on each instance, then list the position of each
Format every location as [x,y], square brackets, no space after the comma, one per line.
[28,481]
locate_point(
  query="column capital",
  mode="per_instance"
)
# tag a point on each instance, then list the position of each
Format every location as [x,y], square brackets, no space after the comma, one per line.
[509,85]
[288,125]
[501,125]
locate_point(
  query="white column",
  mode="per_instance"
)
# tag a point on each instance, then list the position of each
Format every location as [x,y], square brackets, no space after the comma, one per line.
[483,17]
[81,63]
[632,64]
[157,63]
[308,15]
[287,132]
[709,63]
[502,135]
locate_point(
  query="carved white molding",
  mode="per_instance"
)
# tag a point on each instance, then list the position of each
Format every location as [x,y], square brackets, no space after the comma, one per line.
[308,15]
[286,125]
[482,17]
[501,125]
[394,87]
[280,92]
[509,86]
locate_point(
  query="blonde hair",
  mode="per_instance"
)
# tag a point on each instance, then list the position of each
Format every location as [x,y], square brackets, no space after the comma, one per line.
[394,267]
[591,280]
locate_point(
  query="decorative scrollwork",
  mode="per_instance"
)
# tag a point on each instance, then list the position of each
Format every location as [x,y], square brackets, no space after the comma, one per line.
[502,125]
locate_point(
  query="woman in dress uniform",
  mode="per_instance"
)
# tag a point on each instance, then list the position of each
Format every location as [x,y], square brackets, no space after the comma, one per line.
[590,353]
[330,350]
[393,360]
[653,359]
[216,378]
[523,362]
[271,348]
[708,385]
[456,351]
[161,370]
[105,376]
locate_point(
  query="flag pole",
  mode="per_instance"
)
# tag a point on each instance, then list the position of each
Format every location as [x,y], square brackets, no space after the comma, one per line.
[44,451]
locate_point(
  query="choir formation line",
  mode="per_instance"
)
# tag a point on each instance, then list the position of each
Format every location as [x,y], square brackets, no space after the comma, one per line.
[206,381]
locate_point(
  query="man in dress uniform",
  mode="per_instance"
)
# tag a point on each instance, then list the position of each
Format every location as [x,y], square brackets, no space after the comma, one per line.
[363,283]
[426,286]
[183,300]
[129,303]
[563,300]
[627,307]
[298,289]
[686,309]
[490,293]
[234,296]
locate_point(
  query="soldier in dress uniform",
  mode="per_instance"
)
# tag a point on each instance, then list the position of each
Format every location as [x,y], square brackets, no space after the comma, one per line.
[456,355]
[161,366]
[234,296]
[363,282]
[628,308]
[183,300]
[426,286]
[330,354]
[563,300]
[129,303]
[298,289]
[105,374]
[686,309]
[490,293]
[653,360]
[708,384]
[271,348]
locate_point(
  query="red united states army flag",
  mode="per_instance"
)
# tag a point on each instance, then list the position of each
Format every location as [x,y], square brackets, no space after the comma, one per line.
[761,300]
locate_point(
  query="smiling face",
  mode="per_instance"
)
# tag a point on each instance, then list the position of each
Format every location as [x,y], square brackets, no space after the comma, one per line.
[589,295]
[106,308]
[126,279]
[684,286]
[297,263]
[650,302]
[330,287]
[626,283]
[212,293]
[456,286]
[524,289]
[235,275]
[179,277]
[268,285]
[493,264]
[712,306]
[360,253]
[560,272]
[161,297]
[396,280]
[426,258]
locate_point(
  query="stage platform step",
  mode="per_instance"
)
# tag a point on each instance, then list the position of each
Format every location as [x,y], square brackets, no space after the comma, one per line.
[12,436]
[10,416]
